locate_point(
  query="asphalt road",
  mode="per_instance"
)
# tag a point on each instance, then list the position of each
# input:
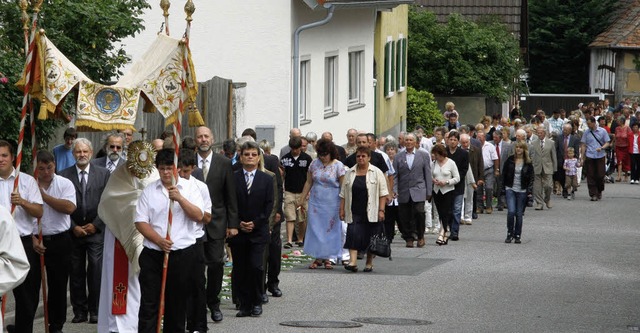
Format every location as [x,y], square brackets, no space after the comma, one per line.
[577,270]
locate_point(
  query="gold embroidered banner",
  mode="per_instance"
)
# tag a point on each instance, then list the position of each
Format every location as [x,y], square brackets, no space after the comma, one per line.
[106,108]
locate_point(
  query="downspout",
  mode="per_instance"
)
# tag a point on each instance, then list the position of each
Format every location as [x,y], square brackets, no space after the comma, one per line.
[296,61]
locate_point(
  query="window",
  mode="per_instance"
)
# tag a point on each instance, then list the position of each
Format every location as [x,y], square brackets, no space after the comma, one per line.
[356,77]
[305,81]
[401,65]
[330,84]
[389,68]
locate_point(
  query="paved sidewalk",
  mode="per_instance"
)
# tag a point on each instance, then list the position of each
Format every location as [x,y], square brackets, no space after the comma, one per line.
[578,270]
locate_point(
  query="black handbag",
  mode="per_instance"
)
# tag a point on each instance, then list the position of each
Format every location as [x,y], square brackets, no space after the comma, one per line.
[379,244]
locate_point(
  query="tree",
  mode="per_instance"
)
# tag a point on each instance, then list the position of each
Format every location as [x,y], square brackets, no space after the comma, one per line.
[462,57]
[558,42]
[422,109]
[88,32]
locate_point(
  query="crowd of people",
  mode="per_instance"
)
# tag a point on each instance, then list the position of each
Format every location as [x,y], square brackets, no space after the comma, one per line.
[111,221]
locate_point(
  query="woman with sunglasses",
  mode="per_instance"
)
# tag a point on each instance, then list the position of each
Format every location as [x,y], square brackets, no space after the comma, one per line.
[323,239]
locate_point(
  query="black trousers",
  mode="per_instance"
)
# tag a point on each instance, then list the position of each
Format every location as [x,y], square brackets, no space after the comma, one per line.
[197,299]
[595,175]
[57,259]
[247,277]
[444,204]
[179,273]
[85,275]
[214,257]
[274,258]
[411,220]
[390,217]
[635,166]
[27,295]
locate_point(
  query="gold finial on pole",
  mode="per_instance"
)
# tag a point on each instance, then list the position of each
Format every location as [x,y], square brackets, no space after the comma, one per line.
[165,4]
[25,17]
[189,8]
[36,5]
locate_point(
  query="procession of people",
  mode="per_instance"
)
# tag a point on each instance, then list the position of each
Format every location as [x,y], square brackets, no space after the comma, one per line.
[105,221]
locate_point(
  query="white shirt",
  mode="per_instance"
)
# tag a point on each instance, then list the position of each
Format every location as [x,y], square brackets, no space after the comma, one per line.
[54,222]
[14,265]
[448,172]
[208,159]
[206,199]
[153,208]
[635,144]
[489,154]
[28,188]
[79,171]
[410,157]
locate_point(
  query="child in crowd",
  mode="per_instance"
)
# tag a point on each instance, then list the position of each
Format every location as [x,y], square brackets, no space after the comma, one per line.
[570,170]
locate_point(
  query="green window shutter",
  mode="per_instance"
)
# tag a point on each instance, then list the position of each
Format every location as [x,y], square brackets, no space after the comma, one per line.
[387,69]
[393,66]
[399,64]
[404,62]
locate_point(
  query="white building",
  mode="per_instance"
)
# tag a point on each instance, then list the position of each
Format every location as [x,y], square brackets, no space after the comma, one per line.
[252,41]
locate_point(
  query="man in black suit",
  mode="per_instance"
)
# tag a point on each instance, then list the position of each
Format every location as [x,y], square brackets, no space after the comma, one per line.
[254,193]
[113,146]
[218,176]
[86,232]
[273,259]
[565,140]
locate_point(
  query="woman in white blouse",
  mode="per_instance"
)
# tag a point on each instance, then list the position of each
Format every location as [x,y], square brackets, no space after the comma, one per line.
[445,177]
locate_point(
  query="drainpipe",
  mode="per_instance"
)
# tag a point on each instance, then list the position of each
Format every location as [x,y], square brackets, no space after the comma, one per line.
[296,61]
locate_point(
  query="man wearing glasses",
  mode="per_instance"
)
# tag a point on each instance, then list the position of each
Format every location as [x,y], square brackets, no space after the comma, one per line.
[113,147]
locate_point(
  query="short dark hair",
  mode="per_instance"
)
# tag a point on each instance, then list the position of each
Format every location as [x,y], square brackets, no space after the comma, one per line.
[189,143]
[295,142]
[70,133]
[5,143]
[455,134]
[165,157]
[229,146]
[439,149]
[372,136]
[364,150]
[324,146]
[187,158]
[45,157]
[250,132]
[250,145]
[590,119]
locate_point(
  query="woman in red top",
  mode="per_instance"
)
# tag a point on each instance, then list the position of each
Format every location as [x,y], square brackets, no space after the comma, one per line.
[634,153]
[622,149]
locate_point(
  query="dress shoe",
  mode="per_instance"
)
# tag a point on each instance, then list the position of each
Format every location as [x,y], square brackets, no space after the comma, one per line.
[509,239]
[549,205]
[474,216]
[409,243]
[256,311]
[500,208]
[93,319]
[539,207]
[275,292]
[489,210]
[517,241]
[243,313]
[421,242]
[79,319]
[454,237]
[265,298]
[216,314]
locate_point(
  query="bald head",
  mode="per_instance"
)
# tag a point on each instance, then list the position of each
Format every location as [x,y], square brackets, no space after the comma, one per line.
[327,136]
[295,132]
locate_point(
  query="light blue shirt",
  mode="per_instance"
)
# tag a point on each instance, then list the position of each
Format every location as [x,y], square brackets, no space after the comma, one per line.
[589,139]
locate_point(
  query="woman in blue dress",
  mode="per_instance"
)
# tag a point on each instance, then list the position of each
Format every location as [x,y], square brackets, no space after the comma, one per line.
[323,239]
